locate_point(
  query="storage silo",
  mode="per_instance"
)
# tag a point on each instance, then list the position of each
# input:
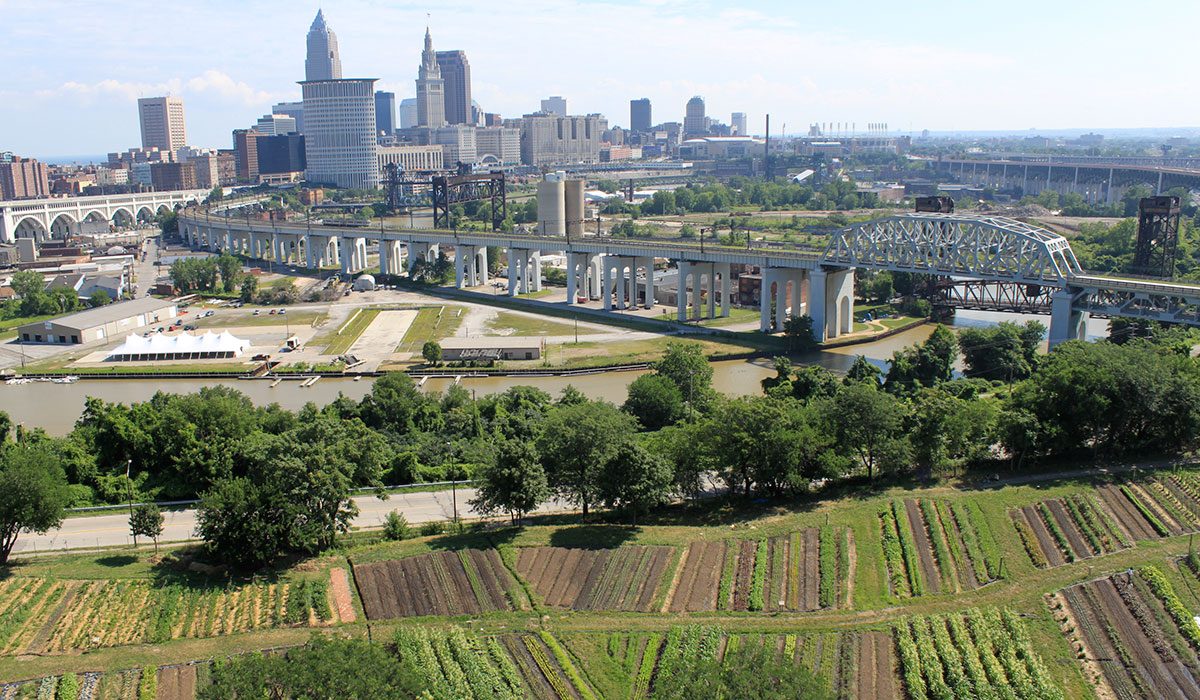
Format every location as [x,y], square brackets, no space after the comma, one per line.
[551,205]
[574,207]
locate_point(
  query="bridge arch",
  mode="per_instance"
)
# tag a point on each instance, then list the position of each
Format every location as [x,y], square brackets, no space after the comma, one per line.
[31,227]
[122,217]
[95,216]
[61,226]
[989,248]
[145,215]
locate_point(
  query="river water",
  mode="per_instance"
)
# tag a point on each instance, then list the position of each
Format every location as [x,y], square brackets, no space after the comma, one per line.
[55,407]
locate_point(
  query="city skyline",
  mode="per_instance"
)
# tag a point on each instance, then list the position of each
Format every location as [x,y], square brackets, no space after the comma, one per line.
[877,65]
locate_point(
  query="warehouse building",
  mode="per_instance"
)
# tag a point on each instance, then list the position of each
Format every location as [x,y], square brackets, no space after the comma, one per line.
[101,323]
[491,349]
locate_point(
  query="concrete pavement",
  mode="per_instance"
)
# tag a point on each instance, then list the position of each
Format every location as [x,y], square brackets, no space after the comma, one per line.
[112,529]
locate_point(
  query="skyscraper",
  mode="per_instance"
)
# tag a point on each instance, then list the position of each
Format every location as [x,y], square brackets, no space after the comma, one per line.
[322,62]
[162,123]
[339,133]
[431,89]
[456,77]
[385,113]
[408,113]
[295,110]
[737,120]
[555,105]
[693,120]
[639,114]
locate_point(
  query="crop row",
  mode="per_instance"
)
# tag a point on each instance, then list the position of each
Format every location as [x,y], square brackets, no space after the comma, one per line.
[983,654]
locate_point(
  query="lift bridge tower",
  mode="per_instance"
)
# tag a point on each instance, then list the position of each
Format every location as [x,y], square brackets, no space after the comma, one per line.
[1157,236]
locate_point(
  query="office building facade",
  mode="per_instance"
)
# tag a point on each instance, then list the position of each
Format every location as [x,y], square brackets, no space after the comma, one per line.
[322,61]
[547,139]
[295,110]
[408,113]
[245,154]
[162,123]
[737,123]
[283,153]
[166,177]
[410,158]
[339,137]
[431,90]
[385,113]
[639,115]
[694,121]
[275,124]
[498,145]
[456,81]
[556,105]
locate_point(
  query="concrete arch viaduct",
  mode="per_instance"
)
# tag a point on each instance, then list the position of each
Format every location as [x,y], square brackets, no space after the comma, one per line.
[51,218]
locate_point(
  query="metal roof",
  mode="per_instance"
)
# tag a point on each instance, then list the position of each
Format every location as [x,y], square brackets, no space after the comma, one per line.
[111,313]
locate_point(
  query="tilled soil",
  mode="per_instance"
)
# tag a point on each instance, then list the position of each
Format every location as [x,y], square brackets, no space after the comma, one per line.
[929,569]
[810,583]
[339,589]
[876,666]
[742,580]
[1066,523]
[1045,540]
[700,579]
[1150,500]
[1126,514]
[429,584]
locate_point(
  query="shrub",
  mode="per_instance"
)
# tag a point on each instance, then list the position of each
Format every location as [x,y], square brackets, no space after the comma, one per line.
[433,527]
[395,527]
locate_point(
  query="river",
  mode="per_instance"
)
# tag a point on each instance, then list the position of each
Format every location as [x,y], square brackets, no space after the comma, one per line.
[55,407]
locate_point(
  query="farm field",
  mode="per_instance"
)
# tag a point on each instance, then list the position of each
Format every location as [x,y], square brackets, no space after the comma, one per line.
[937,546]
[466,582]
[1132,634]
[625,578]
[42,616]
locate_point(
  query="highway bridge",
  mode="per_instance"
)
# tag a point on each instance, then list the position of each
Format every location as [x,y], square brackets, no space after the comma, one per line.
[794,281]
[1097,180]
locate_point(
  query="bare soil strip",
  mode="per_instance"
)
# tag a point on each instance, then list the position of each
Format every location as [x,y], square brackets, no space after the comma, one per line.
[1126,514]
[812,569]
[741,580]
[1045,540]
[1067,524]
[343,603]
[929,569]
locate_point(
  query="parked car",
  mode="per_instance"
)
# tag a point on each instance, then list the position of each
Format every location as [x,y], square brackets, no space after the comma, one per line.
[189,327]
[272,312]
[256,311]
[282,312]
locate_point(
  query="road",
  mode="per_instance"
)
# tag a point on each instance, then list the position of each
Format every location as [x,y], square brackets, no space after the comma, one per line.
[113,530]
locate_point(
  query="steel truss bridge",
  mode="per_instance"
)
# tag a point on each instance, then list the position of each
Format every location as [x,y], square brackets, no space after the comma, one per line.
[977,253]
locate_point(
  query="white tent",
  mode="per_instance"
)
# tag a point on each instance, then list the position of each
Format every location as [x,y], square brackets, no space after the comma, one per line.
[179,347]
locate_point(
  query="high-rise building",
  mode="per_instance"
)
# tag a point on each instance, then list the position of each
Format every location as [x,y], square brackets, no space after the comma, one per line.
[431,89]
[457,142]
[737,121]
[162,123]
[166,177]
[694,121]
[22,178]
[411,158]
[279,154]
[555,105]
[498,145]
[639,115]
[295,110]
[408,113]
[275,124]
[385,113]
[547,139]
[322,61]
[245,154]
[339,132]
[456,78]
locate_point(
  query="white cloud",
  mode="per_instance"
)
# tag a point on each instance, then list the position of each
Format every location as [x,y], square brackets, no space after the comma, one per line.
[213,82]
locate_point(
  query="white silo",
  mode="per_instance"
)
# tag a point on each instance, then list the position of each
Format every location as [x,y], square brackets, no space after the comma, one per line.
[574,207]
[551,204]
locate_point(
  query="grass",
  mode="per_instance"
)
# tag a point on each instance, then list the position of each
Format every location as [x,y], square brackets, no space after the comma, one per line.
[509,323]
[431,323]
[598,354]
[264,318]
[350,331]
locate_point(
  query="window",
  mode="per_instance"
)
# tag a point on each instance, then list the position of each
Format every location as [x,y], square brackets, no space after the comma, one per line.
[37,338]
[25,337]
[74,339]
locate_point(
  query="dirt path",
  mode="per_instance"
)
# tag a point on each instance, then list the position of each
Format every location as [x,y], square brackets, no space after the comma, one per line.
[812,569]
[339,587]
[929,569]
[741,580]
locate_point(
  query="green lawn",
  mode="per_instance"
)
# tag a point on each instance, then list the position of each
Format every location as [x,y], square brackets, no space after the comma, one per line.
[350,331]
[508,323]
[431,323]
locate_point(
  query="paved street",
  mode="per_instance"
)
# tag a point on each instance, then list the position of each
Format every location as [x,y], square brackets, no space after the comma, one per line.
[113,529]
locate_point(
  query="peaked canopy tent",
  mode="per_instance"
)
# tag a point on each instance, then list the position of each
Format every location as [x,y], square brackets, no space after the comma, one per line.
[179,347]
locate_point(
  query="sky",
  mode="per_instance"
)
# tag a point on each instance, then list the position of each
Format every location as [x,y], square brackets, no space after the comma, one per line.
[75,68]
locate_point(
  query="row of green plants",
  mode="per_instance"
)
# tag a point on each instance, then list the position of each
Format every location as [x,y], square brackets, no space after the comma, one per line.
[1145,511]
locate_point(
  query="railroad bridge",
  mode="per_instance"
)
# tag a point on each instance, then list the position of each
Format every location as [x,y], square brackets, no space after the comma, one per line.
[52,217]
[794,281]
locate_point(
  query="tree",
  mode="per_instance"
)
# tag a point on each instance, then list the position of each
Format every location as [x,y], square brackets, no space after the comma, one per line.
[230,269]
[432,352]
[947,432]
[99,298]
[799,333]
[862,372]
[248,289]
[575,445]
[813,382]
[868,422]
[33,494]
[395,527]
[327,667]
[752,671]
[655,401]
[685,365]
[216,194]
[635,479]
[927,364]
[515,483]
[1006,352]
[147,521]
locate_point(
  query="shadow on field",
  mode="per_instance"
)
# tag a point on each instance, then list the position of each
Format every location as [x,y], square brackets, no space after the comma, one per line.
[116,560]
[593,536]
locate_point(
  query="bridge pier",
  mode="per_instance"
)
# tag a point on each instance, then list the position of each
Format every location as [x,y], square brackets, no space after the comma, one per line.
[831,302]
[524,271]
[1066,323]
[470,266]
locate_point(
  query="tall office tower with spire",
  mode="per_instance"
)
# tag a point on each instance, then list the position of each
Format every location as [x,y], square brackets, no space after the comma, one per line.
[431,89]
[456,79]
[322,62]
